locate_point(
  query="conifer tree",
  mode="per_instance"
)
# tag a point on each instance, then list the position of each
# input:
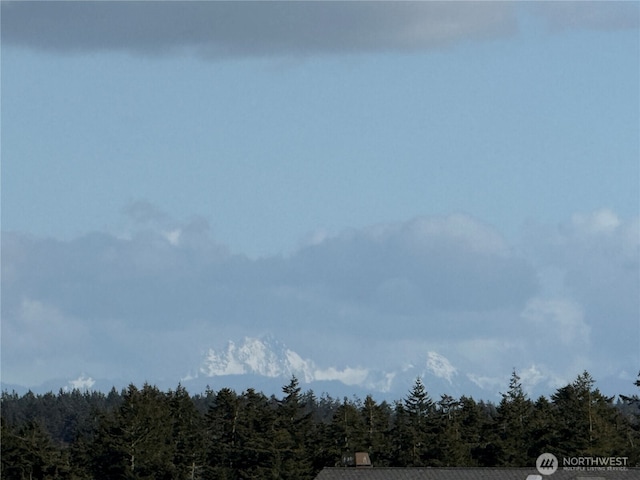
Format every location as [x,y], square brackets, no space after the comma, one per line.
[292,434]
[401,437]
[377,424]
[629,408]
[415,426]
[472,425]
[222,436]
[146,434]
[28,452]
[347,432]
[133,442]
[586,420]
[187,435]
[450,447]
[487,453]
[255,437]
[513,418]
[543,435]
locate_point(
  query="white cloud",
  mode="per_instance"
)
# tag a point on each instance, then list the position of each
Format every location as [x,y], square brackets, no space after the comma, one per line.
[382,295]
[531,377]
[314,238]
[173,236]
[595,261]
[487,382]
[460,229]
[480,349]
[44,328]
[348,375]
[602,221]
[39,342]
[446,263]
[384,385]
[557,319]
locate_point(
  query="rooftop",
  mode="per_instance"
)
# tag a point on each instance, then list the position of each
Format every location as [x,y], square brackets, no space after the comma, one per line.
[384,473]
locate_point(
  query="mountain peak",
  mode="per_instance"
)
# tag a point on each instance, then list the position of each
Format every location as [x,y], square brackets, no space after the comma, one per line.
[258,356]
[440,366]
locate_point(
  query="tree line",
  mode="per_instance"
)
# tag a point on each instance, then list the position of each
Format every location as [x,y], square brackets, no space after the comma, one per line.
[145,433]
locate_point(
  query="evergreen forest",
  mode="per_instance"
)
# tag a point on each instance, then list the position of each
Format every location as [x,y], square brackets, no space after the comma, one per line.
[145,433]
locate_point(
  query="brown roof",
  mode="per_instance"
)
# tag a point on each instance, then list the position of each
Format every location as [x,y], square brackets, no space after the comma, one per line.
[382,473]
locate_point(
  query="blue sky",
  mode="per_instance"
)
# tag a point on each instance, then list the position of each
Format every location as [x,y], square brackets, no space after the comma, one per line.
[471,166]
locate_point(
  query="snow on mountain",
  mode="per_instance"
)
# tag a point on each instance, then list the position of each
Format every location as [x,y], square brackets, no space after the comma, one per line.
[270,358]
[266,364]
[440,366]
[266,357]
[83,382]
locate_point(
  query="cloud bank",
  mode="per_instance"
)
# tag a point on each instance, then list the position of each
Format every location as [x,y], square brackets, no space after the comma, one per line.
[248,29]
[223,29]
[449,292]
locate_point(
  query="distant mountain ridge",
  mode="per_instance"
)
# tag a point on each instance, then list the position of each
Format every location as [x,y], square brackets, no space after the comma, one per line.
[266,364]
[268,357]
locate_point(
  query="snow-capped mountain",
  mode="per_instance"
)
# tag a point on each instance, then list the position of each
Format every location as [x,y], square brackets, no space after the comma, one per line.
[267,358]
[266,365]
